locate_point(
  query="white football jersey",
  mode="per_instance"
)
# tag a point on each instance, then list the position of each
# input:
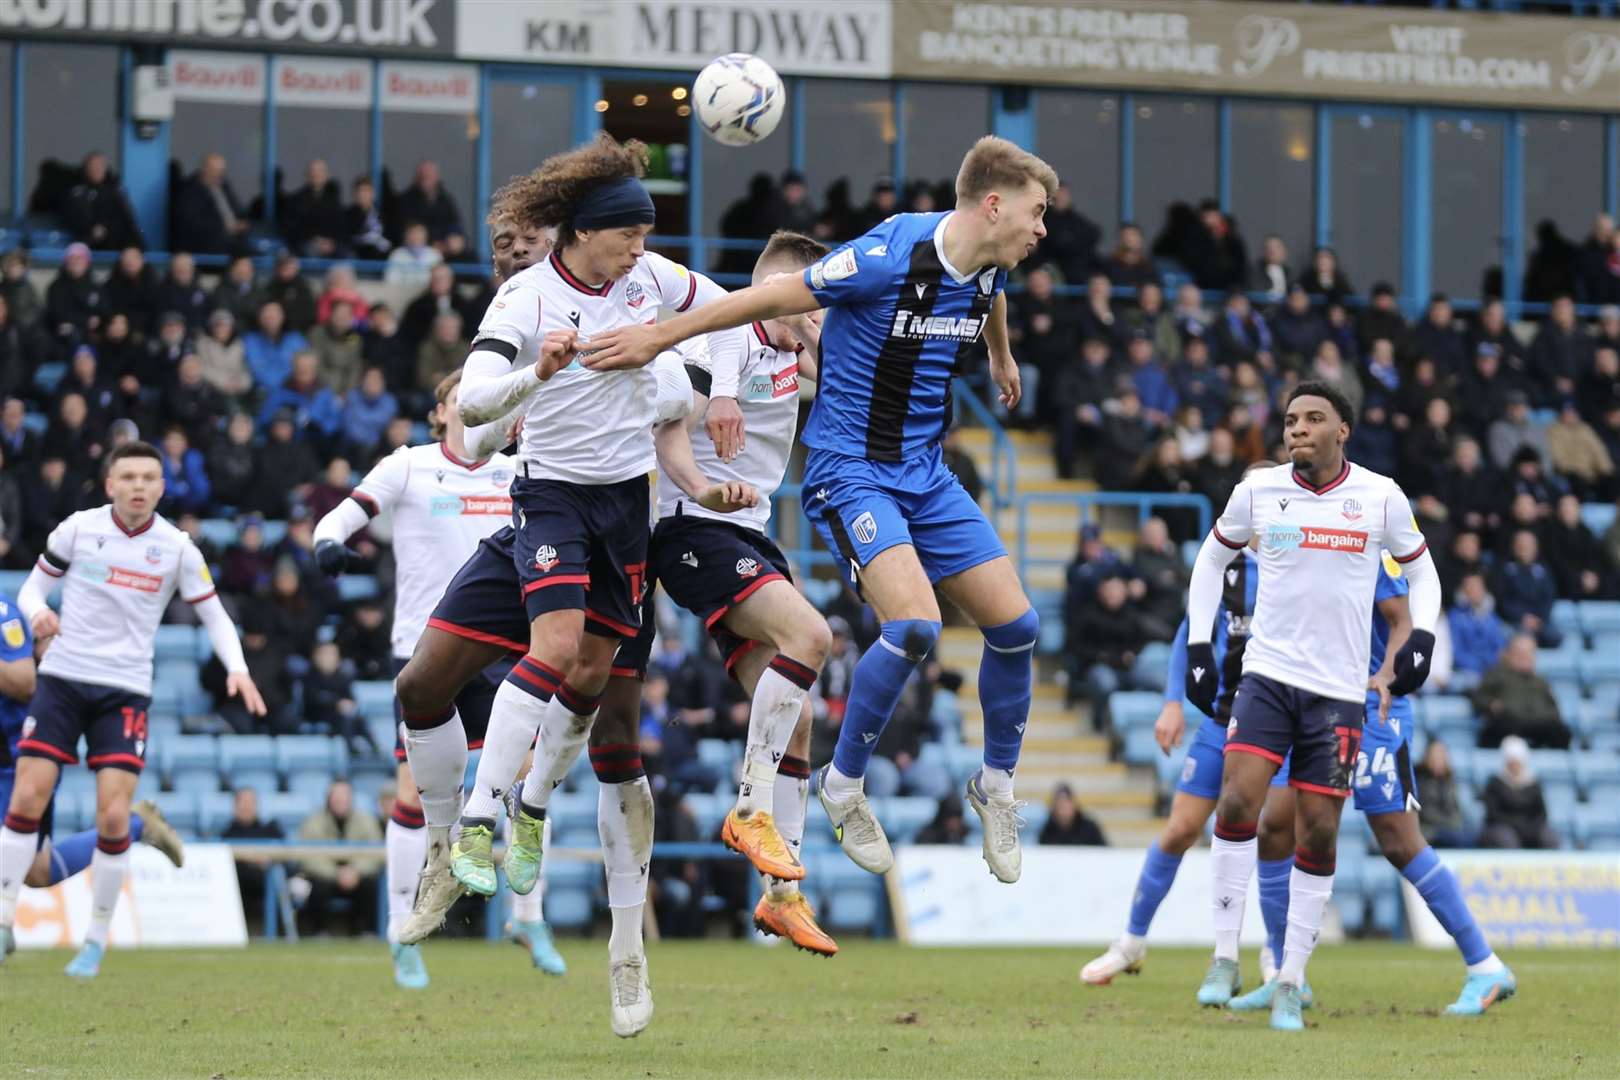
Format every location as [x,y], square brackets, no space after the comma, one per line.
[583,426]
[768,395]
[441,507]
[1320,550]
[118,583]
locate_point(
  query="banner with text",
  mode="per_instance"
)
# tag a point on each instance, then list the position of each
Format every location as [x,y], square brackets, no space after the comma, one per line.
[836,38]
[322,82]
[429,88]
[160,906]
[220,77]
[1348,51]
[1066,896]
[408,27]
[1530,898]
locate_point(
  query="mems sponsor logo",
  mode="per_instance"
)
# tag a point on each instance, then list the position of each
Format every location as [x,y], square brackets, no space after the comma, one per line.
[936,327]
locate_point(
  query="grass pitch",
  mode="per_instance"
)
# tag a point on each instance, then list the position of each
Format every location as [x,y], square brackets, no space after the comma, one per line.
[330,1010]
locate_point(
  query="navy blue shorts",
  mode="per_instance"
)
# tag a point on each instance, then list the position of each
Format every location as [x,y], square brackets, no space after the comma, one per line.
[1270,718]
[8,779]
[709,567]
[862,508]
[111,720]
[472,704]
[583,547]
[484,601]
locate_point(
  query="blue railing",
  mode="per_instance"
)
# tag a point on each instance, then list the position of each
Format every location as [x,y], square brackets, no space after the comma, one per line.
[1087,502]
[1003,478]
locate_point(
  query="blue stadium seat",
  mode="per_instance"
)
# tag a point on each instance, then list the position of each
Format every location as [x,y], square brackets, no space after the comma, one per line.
[287,809]
[1597,827]
[246,752]
[1597,516]
[1553,766]
[1599,669]
[581,777]
[904,816]
[264,781]
[1035,815]
[76,781]
[708,811]
[1168,766]
[1600,616]
[1347,893]
[303,752]
[1594,769]
[49,374]
[375,698]
[274,533]
[577,835]
[175,642]
[1152,663]
[355,587]
[1134,708]
[1381,883]
[1561,800]
[215,810]
[189,752]
[384,732]
[719,754]
[1445,711]
[571,810]
[1560,663]
[11,581]
[368,783]
[1140,746]
[568,907]
[1487,763]
[311,783]
[161,727]
[1604,792]
[572,873]
[1566,616]
[180,809]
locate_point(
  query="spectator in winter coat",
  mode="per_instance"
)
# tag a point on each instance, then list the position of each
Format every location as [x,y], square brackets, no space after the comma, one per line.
[1525,590]
[269,349]
[191,403]
[1516,702]
[1296,330]
[1323,278]
[97,211]
[338,345]
[411,263]
[1576,556]
[1558,355]
[1242,332]
[1438,338]
[73,301]
[224,357]
[352,879]
[132,289]
[1130,265]
[312,221]
[1516,428]
[340,287]
[366,412]
[185,479]
[1127,434]
[1150,314]
[1441,816]
[1082,392]
[181,291]
[238,292]
[315,409]
[426,201]
[1068,824]
[1477,635]
[1071,239]
[1515,808]
[1577,453]
[1153,383]
[1102,656]
[208,219]
[288,288]
[367,238]
[1199,384]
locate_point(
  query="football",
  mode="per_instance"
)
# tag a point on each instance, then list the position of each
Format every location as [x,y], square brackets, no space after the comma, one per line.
[739,99]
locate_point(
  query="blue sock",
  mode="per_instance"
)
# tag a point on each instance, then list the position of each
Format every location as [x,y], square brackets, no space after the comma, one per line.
[879,678]
[73,854]
[1152,884]
[1438,887]
[1005,675]
[1274,879]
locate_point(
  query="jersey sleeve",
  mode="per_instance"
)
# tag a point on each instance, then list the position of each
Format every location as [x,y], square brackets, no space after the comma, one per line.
[860,270]
[195,583]
[1391,581]
[1402,537]
[728,350]
[384,484]
[677,287]
[674,388]
[1236,524]
[512,318]
[58,553]
[16,636]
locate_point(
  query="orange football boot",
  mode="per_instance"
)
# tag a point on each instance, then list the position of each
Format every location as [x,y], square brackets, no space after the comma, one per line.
[756,837]
[794,919]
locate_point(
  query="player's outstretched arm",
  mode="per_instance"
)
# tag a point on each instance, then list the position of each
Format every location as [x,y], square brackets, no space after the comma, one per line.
[492,388]
[674,447]
[636,345]
[486,440]
[1003,368]
[222,636]
[32,601]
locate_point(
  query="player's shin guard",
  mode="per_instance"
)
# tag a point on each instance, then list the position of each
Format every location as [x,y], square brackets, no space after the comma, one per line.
[624,820]
[1005,677]
[879,679]
[405,844]
[1232,858]
[436,748]
[108,869]
[790,795]
[1310,886]
[19,839]
[1152,885]
[73,854]
[778,699]
[563,732]
[1438,887]
[518,711]
[1275,876]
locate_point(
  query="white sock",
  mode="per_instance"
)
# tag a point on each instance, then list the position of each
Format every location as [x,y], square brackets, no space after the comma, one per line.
[1488,966]
[406,855]
[530,907]
[997,783]
[1133,942]
[514,717]
[438,758]
[107,874]
[562,736]
[1307,900]
[624,820]
[16,856]
[790,796]
[841,788]
[771,720]
[1232,865]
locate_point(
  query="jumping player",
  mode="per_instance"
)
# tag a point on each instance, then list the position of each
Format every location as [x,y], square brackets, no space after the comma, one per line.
[443,497]
[53,862]
[907,301]
[122,563]
[1322,523]
[1386,791]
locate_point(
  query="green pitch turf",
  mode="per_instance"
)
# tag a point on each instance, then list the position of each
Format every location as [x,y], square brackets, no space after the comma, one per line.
[330,1010]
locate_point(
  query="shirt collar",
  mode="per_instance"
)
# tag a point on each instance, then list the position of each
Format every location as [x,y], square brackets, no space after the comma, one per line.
[939,249]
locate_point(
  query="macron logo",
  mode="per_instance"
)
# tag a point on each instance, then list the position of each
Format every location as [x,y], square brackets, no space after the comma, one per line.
[1198,674]
[1417,658]
[880,250]
[869,737]
[921,291]
[1020,727]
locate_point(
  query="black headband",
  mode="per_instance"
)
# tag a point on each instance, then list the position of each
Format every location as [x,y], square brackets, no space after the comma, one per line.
[614,205]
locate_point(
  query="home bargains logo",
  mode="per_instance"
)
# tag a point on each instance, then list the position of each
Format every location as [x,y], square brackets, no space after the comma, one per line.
[472,505]
[1348,540]
[133,579]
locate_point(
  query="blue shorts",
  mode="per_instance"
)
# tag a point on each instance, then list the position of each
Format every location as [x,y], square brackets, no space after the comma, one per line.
[862,508]
[582,547]
[8,778]
[1271,718]
[1201,772]
[1385,783]
[111,720]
